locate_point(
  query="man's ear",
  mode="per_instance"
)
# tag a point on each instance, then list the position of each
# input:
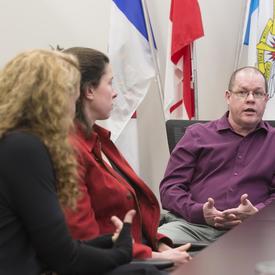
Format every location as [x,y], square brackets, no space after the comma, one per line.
[227,96]
[89,93]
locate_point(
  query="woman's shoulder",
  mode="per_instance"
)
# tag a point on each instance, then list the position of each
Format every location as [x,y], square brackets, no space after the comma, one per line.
[24,151]
[22,142]
[22,138]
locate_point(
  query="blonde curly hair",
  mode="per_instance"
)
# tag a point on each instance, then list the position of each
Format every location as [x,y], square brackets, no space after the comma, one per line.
[36,88]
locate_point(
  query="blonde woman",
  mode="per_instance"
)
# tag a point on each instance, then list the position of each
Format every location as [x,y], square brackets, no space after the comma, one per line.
[38,90]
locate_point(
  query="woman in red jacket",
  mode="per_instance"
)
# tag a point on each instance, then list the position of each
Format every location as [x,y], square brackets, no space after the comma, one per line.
[108,184]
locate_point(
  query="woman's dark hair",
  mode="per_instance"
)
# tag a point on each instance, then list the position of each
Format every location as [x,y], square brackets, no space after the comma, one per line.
[92,64]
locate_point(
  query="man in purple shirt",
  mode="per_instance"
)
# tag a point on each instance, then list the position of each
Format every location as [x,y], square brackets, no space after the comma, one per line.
[223,171]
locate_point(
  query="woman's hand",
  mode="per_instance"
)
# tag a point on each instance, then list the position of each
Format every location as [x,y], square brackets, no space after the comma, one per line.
[177,255]
[119,224]
[162,247]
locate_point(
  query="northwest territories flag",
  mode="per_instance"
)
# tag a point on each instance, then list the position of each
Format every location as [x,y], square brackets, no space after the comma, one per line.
[259,36]
[131,60]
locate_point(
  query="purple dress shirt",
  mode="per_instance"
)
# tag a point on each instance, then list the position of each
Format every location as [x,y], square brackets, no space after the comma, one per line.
[211,160]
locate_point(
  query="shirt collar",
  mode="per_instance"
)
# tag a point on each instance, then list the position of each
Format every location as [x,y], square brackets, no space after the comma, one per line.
[223,124]
[102,132]
[98,134]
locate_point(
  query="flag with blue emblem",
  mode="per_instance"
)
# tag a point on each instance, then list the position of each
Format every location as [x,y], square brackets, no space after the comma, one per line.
[259,37]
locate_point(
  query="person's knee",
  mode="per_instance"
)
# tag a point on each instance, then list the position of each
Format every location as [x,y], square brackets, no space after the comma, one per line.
[171,230]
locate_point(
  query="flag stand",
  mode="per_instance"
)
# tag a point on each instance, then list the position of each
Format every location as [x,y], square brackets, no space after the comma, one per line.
[194,79]
[239,53]
[154,57]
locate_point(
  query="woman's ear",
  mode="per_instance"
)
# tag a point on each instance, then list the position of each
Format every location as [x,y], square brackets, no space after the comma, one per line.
[89,93]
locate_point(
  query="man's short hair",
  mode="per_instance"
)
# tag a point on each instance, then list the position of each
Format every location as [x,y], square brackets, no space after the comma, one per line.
[247,68]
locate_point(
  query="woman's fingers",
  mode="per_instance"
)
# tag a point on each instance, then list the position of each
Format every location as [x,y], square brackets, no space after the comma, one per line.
[184,247]
[129,216]
[117,223]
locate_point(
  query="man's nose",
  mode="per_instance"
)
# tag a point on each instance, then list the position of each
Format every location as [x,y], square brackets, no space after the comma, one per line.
[250,96]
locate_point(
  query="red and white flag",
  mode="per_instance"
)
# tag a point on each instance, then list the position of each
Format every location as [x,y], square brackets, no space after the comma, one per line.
[185,27]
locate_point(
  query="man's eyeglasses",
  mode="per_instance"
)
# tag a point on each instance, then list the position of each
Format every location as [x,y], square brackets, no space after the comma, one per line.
[245,94]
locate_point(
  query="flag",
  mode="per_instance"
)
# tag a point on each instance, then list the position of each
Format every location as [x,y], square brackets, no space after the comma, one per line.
[185,27]
[250,32]
[259,37]
[131,61]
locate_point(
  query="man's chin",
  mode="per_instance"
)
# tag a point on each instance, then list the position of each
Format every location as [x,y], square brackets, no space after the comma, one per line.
[251,121]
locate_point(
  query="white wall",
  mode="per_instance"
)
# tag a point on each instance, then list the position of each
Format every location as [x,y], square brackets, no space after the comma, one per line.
[40,23]
[216,53]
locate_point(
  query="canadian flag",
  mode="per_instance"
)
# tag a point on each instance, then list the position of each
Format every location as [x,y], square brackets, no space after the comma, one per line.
[185,27]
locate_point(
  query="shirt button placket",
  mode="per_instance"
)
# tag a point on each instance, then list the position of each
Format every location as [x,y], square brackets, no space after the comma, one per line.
[238,162]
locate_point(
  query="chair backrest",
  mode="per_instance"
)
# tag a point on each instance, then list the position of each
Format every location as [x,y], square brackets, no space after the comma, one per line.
[175,129]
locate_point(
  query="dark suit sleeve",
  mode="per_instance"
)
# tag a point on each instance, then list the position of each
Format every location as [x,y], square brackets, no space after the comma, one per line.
[31,179]
[103,241]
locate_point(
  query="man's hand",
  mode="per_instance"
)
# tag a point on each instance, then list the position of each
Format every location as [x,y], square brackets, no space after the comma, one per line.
[226,221]
[217,218]
[210,212]
[119,224]
[243,211]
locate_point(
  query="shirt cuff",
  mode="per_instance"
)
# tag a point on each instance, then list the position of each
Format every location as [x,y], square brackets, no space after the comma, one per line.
[260,205]
[196,214]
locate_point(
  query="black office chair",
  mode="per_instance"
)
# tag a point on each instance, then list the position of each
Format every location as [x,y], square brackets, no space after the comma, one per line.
[271,122]
[175,129]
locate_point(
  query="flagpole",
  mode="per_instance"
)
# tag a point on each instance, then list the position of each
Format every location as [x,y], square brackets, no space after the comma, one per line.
[240,37]
[195,78]
[152,48]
